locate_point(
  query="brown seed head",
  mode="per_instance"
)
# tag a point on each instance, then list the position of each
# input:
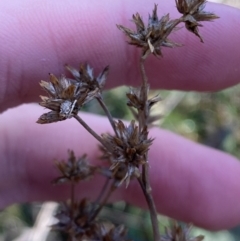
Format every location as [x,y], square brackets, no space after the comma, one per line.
[74,219]
[151,37]
[74,170]
[193,13]
[177,232]
[118,233]
[136,99]
[86,76]
[67,96]
[126,151]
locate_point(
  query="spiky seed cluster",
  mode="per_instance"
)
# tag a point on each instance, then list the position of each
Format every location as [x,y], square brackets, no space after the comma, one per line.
[64,99]
[193,13]
[179,233]
[67,96]
[74,169]
[126,151]
[118,233]
[153,36]
[85,76]
[136,99]
[75,220]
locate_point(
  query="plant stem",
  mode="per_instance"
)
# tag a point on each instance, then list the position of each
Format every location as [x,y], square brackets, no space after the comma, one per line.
[90,130]
[143,114]
[110,118]
[144,179]
[144,77]
[111,189]
[98,199]
[145,176]
[72,198]
[152,209]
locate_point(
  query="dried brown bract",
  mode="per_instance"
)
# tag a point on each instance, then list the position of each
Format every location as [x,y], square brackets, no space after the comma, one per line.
[74,170]
[86,77]
[67,96]
[127,150]
[176,232]
[74,219]
[193,13]
[63,100]
[118,233]
[151,37]
[136,99]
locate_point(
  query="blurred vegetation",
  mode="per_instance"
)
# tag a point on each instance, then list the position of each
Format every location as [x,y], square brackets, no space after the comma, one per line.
[208,118]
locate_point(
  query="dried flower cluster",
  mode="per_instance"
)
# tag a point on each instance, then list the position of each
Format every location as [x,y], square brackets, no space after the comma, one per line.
[155,35]
[193,14]
[178,233]
[151,37]
[74,170]
[75,220]
[67,96]
[136,99]
[126,150]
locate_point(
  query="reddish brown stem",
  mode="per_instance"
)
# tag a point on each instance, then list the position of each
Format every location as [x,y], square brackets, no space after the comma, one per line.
[110,118]
[111,189]
[90,130]
[152,209]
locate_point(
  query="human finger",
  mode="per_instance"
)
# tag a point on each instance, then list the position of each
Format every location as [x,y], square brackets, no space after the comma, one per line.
[40,37]
[190,182]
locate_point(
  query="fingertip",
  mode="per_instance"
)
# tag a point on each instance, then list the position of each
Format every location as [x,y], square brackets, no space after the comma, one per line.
[75,33]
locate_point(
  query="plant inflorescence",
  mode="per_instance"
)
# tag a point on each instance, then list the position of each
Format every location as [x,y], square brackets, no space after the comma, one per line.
[125,150]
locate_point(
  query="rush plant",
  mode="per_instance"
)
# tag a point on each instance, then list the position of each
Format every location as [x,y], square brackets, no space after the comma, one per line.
[125,150]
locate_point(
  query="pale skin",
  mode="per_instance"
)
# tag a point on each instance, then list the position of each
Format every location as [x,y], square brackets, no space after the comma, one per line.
[190,182]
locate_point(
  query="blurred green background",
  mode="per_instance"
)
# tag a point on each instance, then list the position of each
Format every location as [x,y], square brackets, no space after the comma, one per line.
[209,118]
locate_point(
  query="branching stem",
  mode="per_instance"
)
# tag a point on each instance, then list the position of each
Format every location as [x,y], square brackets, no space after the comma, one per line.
[144,179]
[103,190]
[152,209]
[144,92]
[89,129]
[110,191]
[72,198]
[110,118]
